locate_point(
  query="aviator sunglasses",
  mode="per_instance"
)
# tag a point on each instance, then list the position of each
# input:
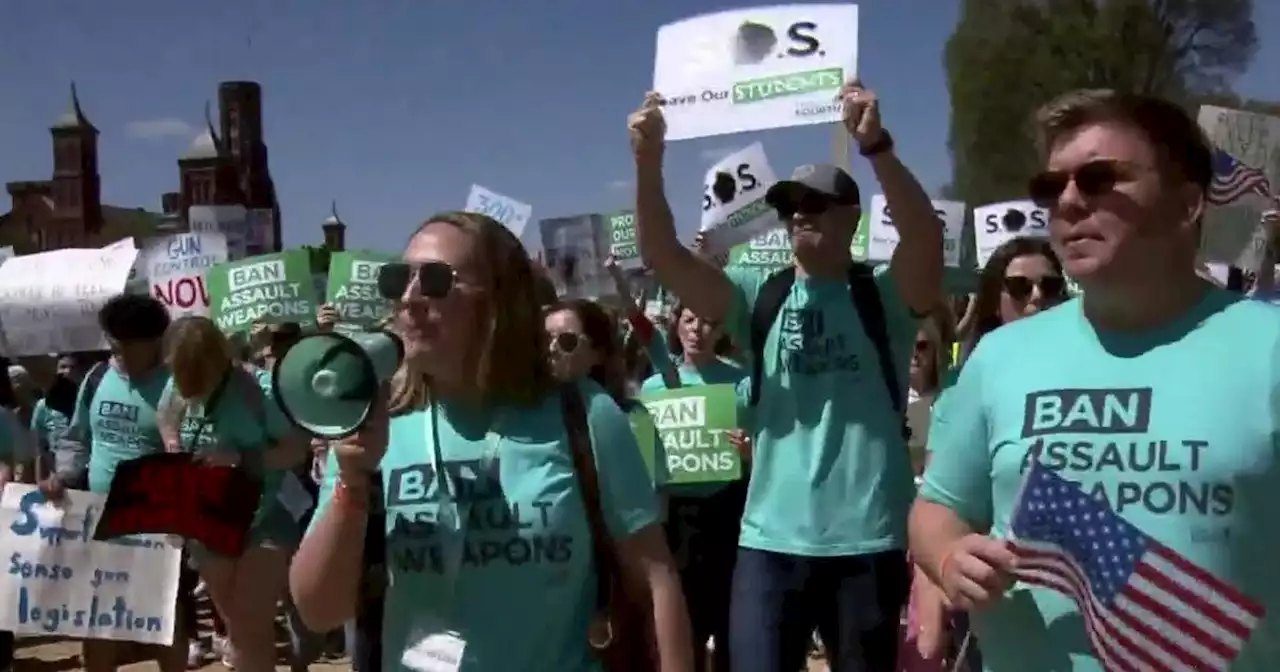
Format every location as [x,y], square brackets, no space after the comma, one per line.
[1092,179]
[809,203]
[436,279]
[1019,287]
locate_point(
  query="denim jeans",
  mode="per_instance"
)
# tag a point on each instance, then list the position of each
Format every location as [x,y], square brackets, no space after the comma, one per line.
[854,602]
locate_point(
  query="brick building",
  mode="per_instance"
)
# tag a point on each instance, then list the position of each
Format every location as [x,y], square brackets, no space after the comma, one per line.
[227,164]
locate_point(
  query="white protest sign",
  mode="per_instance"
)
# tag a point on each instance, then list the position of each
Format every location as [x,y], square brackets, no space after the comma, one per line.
[229,220]
[6,253]
[733,206]
[60,582]
[1246,176]
[883,235]
[175,267]
[512,213]
[997,223]
[49,302]
[754,69]
[122,244]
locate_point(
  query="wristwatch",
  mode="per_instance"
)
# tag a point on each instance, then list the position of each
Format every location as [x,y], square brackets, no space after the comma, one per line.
[880,146]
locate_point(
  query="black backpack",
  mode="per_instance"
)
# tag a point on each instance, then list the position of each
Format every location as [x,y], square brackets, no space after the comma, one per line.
[866,301]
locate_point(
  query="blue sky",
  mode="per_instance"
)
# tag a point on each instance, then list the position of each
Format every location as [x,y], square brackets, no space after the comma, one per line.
[395,107]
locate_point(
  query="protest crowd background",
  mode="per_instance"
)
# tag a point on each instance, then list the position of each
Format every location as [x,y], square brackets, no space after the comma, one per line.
[1026,424]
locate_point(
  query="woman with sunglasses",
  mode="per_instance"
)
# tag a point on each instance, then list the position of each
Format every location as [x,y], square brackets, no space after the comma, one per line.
[488,543]
[1021,278]
[703,519]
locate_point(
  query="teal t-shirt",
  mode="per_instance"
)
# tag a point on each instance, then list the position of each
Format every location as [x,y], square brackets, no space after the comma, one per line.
[830,473]
[524,544]
[120,422]
[48,426]
[245,419]
[1198,472]
[720,371]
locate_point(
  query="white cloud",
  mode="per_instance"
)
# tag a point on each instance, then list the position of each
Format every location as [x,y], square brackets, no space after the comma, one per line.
[619,185]
[155,129]
[713,154]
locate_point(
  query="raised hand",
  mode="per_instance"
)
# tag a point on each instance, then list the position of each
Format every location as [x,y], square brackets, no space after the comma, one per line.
[647,127]
[861,113]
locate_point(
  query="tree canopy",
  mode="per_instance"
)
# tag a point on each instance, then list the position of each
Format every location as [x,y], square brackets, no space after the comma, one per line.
[1008,57]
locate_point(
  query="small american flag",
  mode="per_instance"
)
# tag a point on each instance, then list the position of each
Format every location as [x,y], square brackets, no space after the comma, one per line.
[1145,607]
[1232,179]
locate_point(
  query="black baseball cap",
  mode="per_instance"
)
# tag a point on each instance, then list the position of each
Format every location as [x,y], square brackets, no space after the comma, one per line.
[828,180]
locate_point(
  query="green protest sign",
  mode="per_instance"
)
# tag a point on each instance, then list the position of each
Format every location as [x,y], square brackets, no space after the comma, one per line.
[692,423]
[769,250]
[353,288]
[642,427]
[622,239]
[861,238]
[267,289]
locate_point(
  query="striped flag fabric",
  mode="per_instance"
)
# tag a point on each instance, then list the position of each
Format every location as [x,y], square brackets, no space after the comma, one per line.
[1145,606]
[1233,179]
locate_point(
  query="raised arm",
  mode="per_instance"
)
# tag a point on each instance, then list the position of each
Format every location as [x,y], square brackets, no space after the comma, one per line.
[701,286]
[917,261]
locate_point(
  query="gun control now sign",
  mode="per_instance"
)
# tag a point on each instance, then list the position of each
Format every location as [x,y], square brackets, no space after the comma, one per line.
[882,234]
[353,288]
[998,223]
[175,267]
[268,289]
[692,424]
[755,69]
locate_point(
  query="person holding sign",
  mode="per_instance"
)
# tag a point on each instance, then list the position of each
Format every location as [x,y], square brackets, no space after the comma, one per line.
[703,518]
[224,414]
[824,529]
[501,484]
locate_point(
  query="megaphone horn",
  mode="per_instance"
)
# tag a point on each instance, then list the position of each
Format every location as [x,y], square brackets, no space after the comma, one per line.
[326,383]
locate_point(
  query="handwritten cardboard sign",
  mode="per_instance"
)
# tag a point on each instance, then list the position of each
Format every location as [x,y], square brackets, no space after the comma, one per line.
[62,582]
[174,493]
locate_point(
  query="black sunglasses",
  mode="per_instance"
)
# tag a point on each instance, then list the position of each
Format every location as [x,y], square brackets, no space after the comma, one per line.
[1019,287]
[567,341]
[435,279]
[809,203]
[1092,179]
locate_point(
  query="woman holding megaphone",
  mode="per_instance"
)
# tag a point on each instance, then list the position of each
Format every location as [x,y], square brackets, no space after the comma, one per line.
[489,509]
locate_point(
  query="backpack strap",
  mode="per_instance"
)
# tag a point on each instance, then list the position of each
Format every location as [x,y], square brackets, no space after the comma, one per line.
[91,382]
[773,293]
[866,300]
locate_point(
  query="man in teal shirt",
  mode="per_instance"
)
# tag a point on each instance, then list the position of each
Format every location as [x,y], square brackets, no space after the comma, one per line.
[824,532]
[1150,403]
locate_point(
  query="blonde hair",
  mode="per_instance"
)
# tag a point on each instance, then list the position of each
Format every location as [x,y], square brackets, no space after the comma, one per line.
[512,365]
[193,346]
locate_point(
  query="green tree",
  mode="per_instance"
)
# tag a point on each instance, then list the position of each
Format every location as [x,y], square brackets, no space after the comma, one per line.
[1007,57]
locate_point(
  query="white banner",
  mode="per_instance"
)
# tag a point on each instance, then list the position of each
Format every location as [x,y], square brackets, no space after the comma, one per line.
[6,253]
[229,220]
[175,267]
[733,207]
[49,302]
[60,582]
[512,213]
[883,236]
[999,222]
[754,69]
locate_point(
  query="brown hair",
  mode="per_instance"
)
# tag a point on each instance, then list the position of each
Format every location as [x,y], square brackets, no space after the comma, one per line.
[986,301]
[1179,142]
[939,328]
[600,329]
[512,366]
[194,346]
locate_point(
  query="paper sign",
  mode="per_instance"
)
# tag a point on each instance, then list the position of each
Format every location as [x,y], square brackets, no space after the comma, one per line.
[733,205]
[6,253]
[755,69]
[883,235]
[268,289]
[770,250]
[692,424]
[49,302]
[61,582]
[174,493]
[229,220]
[175,266]
[512,213]
[861,237]
[622,239]
[353,288]
[1246,172]
[998,223]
